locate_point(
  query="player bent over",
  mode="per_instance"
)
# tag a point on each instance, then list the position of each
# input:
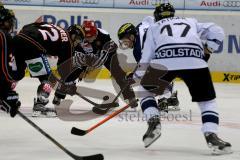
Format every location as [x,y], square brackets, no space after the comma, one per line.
[175,43]
[134,37]
[8,97]
[97,50]
[32,45]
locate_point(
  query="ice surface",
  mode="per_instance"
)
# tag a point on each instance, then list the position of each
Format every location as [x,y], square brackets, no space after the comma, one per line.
[120,138]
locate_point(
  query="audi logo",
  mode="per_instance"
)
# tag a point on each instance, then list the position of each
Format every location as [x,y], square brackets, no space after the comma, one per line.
[231,3]
[90,1]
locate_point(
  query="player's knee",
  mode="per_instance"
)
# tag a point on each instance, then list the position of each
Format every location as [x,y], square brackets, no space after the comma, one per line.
[148,102]
[44,89]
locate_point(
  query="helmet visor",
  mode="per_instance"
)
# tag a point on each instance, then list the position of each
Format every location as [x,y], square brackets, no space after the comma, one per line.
[125,43]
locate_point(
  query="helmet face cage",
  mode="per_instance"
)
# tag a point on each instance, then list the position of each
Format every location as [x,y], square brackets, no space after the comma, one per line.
[164,10]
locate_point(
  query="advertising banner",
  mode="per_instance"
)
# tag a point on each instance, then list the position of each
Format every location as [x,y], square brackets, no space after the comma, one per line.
[213,5]
[23,2]
[80,3]
[178,4]
[226,59]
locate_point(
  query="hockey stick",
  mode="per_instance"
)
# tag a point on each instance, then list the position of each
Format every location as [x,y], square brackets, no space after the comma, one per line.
[100,109]
[97,107]
[80,132]
[76,157]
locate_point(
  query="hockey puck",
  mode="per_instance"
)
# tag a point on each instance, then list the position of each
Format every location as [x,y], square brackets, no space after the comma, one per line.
[105,98]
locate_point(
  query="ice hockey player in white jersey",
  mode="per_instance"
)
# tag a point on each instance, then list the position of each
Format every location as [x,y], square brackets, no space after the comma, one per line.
[133,37]
[176,43]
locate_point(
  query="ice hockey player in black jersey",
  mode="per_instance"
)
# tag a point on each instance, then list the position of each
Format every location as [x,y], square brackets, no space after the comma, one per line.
[8,96]
[131,37]
[32,45]
[178,47]
[97,50]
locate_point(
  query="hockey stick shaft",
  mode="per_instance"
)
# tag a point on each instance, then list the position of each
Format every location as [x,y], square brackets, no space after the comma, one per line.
[75,130]
[108,118]
[86,99]
[99,156]
[114,100]
[44,133]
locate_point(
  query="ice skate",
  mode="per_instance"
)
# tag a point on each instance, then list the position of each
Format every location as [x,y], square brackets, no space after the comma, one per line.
[173,102]
[40,109]
[217,145]
[162,104]
[169,104]
[153,132]
[56,100]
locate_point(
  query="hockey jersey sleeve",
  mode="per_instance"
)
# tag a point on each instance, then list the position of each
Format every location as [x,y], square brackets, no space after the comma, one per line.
[147,54]
[211,33]
[113,65]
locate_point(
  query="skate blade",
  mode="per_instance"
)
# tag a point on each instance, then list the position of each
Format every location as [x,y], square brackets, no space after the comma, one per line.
[39,114]
[149,141]
[36,113]
[174,109]
[216,151]
[51,114]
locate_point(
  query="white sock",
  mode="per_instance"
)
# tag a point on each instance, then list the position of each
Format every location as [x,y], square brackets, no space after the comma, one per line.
[210,117]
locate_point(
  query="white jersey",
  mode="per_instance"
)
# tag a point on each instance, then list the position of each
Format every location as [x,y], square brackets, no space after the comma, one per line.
[143,27]
[176,43]
[141,37]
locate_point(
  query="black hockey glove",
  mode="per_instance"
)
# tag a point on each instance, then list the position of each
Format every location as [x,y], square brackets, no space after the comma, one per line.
[129,96]
[11,103]
[133,102]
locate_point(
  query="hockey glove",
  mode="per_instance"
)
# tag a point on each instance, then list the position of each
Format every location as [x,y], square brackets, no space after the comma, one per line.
[133,102]
[11,103]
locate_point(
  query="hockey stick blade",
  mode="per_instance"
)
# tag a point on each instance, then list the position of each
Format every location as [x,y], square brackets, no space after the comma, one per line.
[104,108]
[92,157]
[78,132]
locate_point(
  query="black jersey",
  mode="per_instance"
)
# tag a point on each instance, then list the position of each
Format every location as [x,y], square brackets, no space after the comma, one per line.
[97,46]
[103,42]
[6,72]
[53,40]
[38,39]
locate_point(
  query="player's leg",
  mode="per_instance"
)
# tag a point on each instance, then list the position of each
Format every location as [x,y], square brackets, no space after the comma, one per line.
[149,105]
[28,55]
[42,99]
[169,100]
[68,82]
[152,115]
[202,91]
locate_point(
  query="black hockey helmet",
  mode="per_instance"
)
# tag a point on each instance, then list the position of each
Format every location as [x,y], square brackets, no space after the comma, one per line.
[77,30]
[164,10]
[126,29]
[7,15]
[76,34]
